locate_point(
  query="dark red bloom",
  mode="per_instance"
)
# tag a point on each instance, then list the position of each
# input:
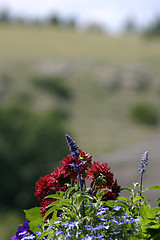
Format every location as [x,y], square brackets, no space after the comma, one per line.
[43,186]
[68,168]
[102,177]
[100,174]
[60,178]
[84,156]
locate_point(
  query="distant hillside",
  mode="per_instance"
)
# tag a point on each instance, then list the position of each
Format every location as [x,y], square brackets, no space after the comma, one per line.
[105,76]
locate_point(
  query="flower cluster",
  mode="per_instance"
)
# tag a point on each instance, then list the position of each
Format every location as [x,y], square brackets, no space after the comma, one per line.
[61,177]
[105,223]
[69,210]
[23,232]
[67,173]
[102,177]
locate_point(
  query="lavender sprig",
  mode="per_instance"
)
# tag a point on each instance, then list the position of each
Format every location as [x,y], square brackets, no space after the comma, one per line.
[73,148]
[143,164]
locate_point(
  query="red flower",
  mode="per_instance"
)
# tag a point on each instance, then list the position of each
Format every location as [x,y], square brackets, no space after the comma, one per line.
[69,170]
[100,174]
[59,177]
[43,186]
[84,156]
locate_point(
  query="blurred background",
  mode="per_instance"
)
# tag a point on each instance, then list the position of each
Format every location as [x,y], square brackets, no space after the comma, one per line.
[88,68]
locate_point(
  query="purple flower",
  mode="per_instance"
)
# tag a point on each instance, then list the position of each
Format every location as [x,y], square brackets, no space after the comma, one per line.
[23,232]
[72,146]
[143,162]
[77,166]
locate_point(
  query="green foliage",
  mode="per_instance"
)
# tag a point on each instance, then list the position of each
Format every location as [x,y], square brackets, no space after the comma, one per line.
[144,113]
[52,85]
[34,216]
[77,214]
[30,145]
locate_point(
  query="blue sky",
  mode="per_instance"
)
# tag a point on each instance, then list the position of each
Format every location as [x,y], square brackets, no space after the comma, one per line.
[110,13]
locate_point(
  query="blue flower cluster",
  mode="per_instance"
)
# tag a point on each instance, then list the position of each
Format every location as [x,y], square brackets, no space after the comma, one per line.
[107,223]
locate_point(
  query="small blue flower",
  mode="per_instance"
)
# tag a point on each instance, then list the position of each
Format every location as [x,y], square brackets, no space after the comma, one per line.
[117,208]
[58,233]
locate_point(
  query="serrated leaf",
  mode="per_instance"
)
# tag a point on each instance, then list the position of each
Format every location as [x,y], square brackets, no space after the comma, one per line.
[145,211]
[35,218]
[33,213]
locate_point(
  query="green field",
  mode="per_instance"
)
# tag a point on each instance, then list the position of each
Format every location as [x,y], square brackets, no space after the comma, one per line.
[102,73]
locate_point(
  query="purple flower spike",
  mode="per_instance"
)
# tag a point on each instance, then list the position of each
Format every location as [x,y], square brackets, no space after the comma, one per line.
[72,144]
[143,164]
[73,148]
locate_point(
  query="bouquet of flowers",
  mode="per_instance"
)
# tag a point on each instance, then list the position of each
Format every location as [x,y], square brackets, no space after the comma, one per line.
[71,210]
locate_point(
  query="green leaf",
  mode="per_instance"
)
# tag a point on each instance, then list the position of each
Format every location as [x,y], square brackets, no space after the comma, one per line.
[154,187]
[51,210]
[133,238]
[123,198]
[54,216]
[101,192]
[145,211]
[154,211]
[111,203]
[44,234]
[64,202]
[56,196]
[35,218]
[135,199]
[83,198]
[69,190]
[75,196]
[71,214]
[127,189]
[158,199]
[139,192]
